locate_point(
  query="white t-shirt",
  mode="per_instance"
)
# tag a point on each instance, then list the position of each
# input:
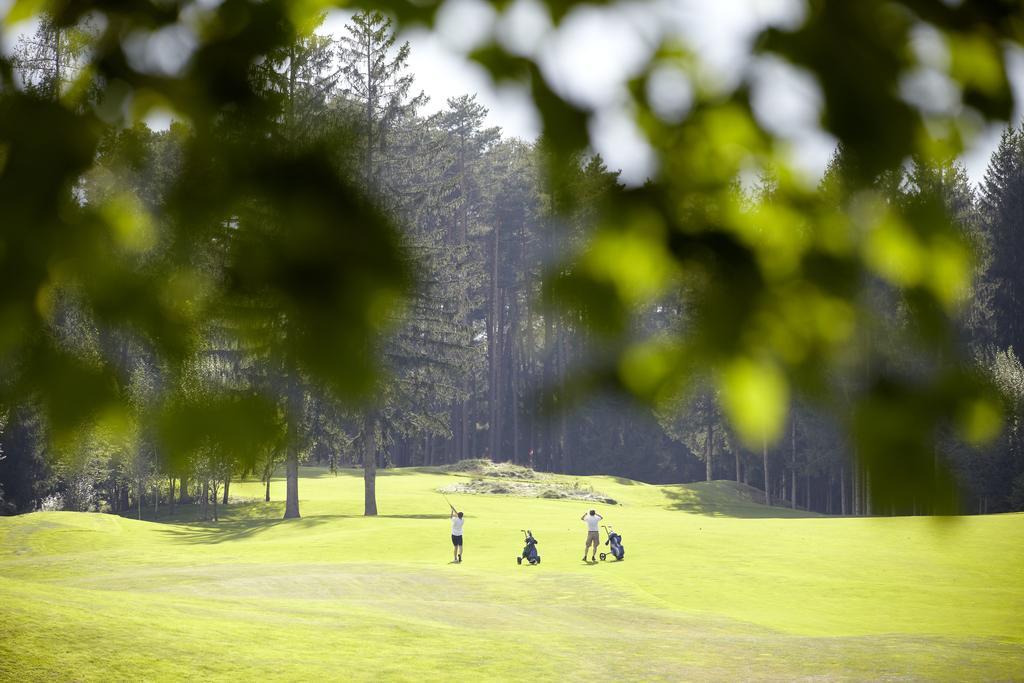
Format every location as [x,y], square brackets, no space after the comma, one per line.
[592,521]
[457,526]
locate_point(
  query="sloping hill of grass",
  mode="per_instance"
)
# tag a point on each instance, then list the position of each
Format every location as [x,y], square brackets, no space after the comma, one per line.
[714,586]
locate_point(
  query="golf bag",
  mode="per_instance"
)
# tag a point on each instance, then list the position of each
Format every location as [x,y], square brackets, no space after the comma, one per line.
[530,550]
[614,544]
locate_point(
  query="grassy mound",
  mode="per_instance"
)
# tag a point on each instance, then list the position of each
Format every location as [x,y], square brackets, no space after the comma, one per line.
[497,470]
[507,479]
[714,587]
[529,489]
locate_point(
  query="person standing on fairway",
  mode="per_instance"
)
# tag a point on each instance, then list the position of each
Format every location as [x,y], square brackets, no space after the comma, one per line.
[593,537]
[457,522]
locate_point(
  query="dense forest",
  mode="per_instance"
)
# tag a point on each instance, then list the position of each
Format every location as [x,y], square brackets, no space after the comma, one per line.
[478,362]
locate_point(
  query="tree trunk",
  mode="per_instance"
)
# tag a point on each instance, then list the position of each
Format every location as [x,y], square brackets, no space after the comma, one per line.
[291,498]
[206,499]
[562,357]
[515,401]
[291,504]
[855,490]
[138,497]
[227,485]
[842,490]
[764,453]
[56,65]
[867,491]
[792,462]
[370,465]
[215,500]
[548,369]
[183,491]
[709,449]
[267,495]
[492,344]
[500,382]
[736,452]
[170,498]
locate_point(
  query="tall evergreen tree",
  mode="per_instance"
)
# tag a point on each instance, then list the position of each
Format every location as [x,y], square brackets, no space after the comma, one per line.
[376,82]
[1002,215]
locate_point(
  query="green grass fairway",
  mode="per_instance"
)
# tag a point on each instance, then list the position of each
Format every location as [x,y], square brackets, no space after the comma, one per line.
[713,587]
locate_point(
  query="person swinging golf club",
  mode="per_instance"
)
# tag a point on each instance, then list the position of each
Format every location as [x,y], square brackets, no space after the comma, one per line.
[593,521]
[457,522]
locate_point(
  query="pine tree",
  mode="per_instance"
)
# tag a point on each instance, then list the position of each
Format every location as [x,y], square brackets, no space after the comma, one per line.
[302,79]
[1002,215]
[377,85]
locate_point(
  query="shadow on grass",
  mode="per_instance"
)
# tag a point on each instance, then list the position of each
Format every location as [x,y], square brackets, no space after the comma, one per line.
[246,520]
[726,499]
[226,530]
[321,472]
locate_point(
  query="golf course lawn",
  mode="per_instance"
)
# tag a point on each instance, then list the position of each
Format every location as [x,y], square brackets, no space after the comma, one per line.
[712,587]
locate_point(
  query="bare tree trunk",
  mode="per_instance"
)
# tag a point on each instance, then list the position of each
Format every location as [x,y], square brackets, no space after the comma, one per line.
[709,449]
[563,363]
[736,452]
[170,498]
[473,438]
[267,494]
[548,369]
[138,497]
[792,462]
[183,491]
[206,499]
[516,458]
[227,485]
[764,453]
[501,380]
[370,465]
[291,498]
[842,490]
[215,487]
[456,418]
[57,70]
[867,490]
[855,485]
[492,348]
[291,505]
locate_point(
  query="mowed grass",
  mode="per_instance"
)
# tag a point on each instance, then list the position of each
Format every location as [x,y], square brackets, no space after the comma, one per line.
[713,587]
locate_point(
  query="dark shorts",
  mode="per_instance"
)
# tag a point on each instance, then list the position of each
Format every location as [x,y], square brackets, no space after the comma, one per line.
[456,540]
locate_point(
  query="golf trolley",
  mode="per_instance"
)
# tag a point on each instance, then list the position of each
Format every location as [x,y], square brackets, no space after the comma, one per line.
[614,544]
[530,550]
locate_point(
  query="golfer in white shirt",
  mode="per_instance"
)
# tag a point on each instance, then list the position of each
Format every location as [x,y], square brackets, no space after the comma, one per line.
[593,536]
[457,522]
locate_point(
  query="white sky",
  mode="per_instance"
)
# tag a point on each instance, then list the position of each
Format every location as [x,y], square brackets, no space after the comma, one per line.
[595,51]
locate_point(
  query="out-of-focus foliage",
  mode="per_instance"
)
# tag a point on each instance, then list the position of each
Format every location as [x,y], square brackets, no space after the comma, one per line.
[776,286]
